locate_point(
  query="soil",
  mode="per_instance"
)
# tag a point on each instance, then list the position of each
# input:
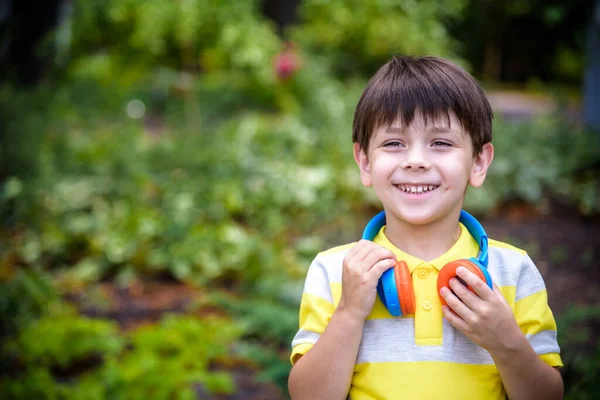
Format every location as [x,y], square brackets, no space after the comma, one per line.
[563,244]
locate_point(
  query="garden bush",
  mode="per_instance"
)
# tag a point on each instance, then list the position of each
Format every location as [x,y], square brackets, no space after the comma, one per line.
[578,336]
[354,46]
[59,354]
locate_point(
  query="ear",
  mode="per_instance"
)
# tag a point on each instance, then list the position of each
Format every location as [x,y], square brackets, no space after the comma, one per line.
[363,164]
[481,164]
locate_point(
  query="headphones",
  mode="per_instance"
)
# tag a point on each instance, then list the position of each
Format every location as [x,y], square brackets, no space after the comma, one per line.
[395,285]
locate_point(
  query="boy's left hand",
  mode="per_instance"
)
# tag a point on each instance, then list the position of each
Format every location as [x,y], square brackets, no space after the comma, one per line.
[484,316]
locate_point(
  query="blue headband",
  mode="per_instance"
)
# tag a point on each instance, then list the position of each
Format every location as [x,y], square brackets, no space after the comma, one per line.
[472,225]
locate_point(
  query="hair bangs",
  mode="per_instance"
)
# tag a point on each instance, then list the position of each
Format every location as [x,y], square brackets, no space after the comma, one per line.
[405,102]
[430,88]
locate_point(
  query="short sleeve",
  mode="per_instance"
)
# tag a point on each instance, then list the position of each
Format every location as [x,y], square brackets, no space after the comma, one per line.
[533,313]
[316,309]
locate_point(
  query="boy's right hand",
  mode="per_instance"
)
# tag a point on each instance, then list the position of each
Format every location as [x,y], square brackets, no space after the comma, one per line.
[363,266]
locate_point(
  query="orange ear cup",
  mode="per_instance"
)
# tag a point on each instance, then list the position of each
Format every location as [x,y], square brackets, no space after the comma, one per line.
[449,272]
[406,294]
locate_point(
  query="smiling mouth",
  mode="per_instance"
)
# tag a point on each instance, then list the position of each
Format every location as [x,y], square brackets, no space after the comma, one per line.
[417,189]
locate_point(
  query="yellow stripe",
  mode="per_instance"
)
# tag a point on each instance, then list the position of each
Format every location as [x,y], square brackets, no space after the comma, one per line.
[552,359]
[336,292]
[426,380]
[315,313]
[495,243]
[379,311]
[509,293]
[337,249]
[534,314]
[298,351]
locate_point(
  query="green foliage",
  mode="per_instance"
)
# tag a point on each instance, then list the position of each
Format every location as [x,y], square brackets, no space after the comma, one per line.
[74,357]
[50,352]
[22,119]
[55,347]
[35,383]
[129,38]
[269,321]
[356,37]
[274,363]
[24,297]
[552,49]
[64,339]
[119,201]
[268,315]
[541,158]
[167,360]
[578,338]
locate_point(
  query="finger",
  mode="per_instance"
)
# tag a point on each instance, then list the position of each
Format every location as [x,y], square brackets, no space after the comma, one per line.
[362,248]
[380,267]
[479,286]
[377,254]
[454,319]
[356,250]
[456,305]
[351,253]
[464,294]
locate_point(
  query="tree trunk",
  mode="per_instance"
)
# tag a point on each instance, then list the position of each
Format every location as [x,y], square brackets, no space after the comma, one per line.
[592,73]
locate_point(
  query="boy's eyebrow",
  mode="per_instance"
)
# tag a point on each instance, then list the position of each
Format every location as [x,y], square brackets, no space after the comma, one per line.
[394,129]
[433,129]
[441,129]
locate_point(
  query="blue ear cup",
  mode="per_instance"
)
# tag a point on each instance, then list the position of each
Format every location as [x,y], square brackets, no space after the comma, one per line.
[388,292]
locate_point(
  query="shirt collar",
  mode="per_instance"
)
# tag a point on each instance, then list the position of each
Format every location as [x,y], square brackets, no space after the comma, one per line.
[464,247]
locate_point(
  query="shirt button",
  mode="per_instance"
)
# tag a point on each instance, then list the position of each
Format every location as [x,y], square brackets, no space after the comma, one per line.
[427,305]
[423,273]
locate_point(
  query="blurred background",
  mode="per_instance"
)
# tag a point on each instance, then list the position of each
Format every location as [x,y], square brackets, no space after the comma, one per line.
[168,170]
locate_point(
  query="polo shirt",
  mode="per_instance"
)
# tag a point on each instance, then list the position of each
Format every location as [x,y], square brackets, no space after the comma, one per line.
[421,355]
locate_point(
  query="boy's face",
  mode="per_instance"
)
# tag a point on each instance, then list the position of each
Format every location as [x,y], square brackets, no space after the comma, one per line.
[421,174]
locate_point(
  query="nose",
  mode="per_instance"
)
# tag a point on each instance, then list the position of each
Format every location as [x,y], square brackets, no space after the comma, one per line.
[416,159]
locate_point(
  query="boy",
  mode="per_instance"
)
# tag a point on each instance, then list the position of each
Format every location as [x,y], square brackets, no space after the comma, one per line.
[422,133]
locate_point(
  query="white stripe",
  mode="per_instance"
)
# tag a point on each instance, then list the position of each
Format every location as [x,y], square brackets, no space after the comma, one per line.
[393,340]
[530,280]
[456,347]
[508,267]
[544,342]
[333,263]
[304,336]
[317,283]
[504,266]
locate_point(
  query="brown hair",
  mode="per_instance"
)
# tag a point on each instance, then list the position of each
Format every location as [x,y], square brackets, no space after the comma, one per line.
[428,85]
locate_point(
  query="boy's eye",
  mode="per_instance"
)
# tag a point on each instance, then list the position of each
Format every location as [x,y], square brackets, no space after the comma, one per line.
[392,143]
[441,143]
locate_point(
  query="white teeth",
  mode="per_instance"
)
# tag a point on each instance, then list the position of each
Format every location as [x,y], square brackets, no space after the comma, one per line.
[416,189]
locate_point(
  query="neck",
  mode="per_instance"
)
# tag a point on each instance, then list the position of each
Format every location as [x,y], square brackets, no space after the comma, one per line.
[426,242]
